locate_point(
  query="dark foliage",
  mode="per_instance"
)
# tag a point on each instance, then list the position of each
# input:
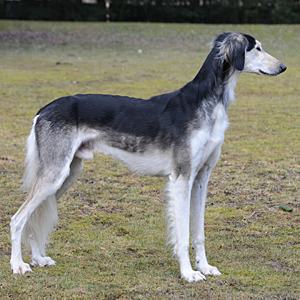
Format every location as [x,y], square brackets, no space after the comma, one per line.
[190,11]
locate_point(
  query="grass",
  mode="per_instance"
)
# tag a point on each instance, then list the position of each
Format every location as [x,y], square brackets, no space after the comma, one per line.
[110,239]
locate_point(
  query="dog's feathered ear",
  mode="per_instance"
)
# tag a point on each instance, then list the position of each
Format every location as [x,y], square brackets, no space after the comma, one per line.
[232,47]
[238,56]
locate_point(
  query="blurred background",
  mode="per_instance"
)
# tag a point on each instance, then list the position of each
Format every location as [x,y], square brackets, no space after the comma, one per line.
[184,11]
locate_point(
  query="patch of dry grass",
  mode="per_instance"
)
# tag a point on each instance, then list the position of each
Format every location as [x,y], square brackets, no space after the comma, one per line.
[110,240]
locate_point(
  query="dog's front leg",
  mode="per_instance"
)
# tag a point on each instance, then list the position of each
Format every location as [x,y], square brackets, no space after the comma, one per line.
[198,199]
[179,214]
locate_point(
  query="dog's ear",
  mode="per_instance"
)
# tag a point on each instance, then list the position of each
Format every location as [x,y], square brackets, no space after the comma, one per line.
[238,56]
[231,47]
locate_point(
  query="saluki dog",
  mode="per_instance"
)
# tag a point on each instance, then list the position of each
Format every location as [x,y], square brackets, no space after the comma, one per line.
[177,134]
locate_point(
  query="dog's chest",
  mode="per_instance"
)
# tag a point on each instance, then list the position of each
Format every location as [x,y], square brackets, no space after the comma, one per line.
[219,125]
[207,141]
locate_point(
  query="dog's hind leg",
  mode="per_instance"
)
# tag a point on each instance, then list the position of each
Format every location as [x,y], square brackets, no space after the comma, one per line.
[178,215]
[38,248]
[198,199]
[75,170]
[39,226]
[36,219]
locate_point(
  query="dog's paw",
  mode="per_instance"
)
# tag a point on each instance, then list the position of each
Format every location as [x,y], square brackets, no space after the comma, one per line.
[43,261]
[208,270]
[193,276]
[20,268]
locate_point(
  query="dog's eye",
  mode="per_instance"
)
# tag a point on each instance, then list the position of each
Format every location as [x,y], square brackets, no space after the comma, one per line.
[258,49]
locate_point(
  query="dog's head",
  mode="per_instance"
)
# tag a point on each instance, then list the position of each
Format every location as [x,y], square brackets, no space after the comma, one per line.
[245,54]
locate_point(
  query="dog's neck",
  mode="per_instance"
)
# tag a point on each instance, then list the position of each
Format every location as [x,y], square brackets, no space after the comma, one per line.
[215,82]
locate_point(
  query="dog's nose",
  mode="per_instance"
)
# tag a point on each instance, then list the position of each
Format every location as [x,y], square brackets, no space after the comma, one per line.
[282,68]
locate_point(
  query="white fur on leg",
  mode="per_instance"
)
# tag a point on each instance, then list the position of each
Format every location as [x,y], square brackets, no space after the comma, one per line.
[47,213]
[178,194]
[18,223]
[37,258]
[39,210]
[16,261]
[40,225]
[36,218]
[186,270]
[201,261]
[198,199]
[171,225]
[75,170]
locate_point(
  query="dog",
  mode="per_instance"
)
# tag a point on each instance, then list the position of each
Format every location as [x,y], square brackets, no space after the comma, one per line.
[177,134]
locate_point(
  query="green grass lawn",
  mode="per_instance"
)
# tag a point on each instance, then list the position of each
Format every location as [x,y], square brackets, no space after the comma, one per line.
[110,239]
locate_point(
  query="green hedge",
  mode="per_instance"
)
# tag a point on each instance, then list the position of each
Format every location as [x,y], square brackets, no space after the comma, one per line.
[189,11]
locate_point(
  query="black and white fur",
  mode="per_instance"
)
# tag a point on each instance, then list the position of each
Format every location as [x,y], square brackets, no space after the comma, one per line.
[178,135]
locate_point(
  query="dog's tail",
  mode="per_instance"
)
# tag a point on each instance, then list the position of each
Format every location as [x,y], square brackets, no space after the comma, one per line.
[31,161]
[41,224]
[43,220]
